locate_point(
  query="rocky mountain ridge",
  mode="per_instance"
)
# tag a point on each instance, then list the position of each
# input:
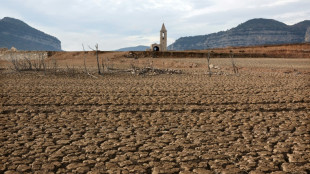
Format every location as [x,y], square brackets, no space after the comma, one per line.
[253,32]
[16,33]
[136,48]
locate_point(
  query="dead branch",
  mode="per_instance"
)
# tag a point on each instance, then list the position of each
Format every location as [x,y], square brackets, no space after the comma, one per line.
[235,68]
[28,61]
[43,63]
[84,56]
[96,46]
[208,60]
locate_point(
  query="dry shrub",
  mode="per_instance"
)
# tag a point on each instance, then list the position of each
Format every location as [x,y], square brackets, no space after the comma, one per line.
[41,64]
[28,64]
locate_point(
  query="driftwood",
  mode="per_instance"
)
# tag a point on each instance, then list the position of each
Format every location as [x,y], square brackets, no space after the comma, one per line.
[154,71]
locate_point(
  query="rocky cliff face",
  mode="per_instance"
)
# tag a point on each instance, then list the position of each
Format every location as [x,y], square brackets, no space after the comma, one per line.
[16,33]
[307,36]
[252,32]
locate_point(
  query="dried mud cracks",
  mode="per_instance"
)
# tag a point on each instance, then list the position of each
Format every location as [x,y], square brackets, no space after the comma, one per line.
[161,124]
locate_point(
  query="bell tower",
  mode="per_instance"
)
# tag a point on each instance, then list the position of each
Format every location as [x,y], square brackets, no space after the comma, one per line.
[162,46]
[163,38]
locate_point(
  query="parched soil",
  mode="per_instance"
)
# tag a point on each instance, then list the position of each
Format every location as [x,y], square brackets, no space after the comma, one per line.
[181,123]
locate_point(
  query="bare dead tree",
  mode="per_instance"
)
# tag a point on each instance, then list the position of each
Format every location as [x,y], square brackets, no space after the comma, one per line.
[96,46]
[43,63]
[37,64]
[21,64]
[235,68]
[97,59]
[85,67]
[102,64]
[84,56]
[54,65]
[15,63]
[29,63]
[208,61]
[209,68]
[33,62]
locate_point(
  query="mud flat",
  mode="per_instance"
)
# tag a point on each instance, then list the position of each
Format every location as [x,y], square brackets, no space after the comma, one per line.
[254,122]
[181,123]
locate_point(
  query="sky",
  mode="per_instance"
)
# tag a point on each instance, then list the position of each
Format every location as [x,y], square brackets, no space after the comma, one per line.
[115,24]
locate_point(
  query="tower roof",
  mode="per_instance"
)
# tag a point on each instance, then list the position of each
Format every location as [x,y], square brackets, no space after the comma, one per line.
[163,28]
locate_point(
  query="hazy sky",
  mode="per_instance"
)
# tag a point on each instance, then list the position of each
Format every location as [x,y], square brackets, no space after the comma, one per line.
[115,24]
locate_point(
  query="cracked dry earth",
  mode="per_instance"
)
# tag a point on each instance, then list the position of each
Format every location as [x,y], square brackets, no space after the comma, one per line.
[155,124]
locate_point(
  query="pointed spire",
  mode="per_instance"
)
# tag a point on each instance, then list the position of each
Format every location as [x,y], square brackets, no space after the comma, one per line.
[163,28]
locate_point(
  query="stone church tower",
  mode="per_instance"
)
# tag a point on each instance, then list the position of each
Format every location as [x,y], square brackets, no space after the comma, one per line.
[163,38]
[162,46]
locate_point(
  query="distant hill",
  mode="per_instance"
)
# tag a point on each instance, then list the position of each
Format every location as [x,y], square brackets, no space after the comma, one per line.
[250,33]
[16,33]
[137,48]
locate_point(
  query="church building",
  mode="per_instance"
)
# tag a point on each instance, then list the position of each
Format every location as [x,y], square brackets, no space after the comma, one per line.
[163,41]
